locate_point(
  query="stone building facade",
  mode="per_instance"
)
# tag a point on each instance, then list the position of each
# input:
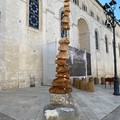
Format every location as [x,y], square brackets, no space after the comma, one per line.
[21,41]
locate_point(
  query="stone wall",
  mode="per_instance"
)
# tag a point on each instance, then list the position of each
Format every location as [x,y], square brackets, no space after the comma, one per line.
[102,62]
[2,43]
[22,53]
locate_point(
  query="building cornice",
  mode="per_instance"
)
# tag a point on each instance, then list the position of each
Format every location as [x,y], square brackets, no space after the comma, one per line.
[99,3]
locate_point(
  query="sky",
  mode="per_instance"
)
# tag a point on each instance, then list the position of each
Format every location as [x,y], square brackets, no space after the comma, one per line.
[117,11]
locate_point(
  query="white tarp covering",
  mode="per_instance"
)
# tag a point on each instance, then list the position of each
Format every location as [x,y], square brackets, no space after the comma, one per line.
[49,57]
[77,62]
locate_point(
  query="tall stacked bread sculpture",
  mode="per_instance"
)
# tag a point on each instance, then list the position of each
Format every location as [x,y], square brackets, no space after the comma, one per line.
[60,84]
[62,104]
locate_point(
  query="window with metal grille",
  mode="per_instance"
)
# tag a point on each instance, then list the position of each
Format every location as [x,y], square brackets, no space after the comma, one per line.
[76,2]
[103,23]
[0,16]
[119,49]
[34,14]
[106,44]
[63,32]
[98,19]
[96,40]
[92,13]
[84,7]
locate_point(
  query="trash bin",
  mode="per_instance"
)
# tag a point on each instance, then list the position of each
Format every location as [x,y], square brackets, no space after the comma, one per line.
[32,81]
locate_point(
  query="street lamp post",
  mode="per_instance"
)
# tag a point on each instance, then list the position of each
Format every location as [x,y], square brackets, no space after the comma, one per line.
[111,22]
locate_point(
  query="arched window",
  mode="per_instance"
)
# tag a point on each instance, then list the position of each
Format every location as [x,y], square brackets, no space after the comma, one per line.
[119,49]
[34,13]
[96,40]
[106,44]
[0,16]
[98,18]
[76,2]
[63,32]
[84,7]
[92,13]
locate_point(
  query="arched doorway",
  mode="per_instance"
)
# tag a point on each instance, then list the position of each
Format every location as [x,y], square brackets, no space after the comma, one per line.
[84,38]
[84,42]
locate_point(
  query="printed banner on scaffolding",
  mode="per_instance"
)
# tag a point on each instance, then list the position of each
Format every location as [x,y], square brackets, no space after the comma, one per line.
[79,62]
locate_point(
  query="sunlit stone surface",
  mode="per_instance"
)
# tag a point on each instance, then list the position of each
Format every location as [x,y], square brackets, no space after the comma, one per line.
[62,107]
[64,99]
[60,112]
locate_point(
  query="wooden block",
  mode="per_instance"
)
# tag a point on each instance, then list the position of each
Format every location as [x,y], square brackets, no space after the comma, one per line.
[79,84]
[76,82]
[90,86]
[119,80]
[83,84]
[96,80]
[103,80]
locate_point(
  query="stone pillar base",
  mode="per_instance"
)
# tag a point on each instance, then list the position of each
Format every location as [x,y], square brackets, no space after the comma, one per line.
[60,112]
[62,99]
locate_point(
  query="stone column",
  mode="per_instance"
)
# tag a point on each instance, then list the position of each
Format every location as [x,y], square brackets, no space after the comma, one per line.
[62,105]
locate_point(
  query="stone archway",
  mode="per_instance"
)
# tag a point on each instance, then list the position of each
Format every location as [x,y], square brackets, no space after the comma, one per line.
[84,42]
[84,38]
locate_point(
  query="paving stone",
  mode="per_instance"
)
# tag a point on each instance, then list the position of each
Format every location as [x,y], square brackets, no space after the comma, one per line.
[115,115]
[5,117]
[28,103]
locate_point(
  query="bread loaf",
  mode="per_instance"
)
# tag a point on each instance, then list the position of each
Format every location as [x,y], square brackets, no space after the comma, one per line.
[62,69]
[63,55]
[63,47]
[66,0]
[64,40]
[67,9]
[60,90]
[66,4]
[65,75]
[65,19]
[65,27]
[62,80]
[66,13]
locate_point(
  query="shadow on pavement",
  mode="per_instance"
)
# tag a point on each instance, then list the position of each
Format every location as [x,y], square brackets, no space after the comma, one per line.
[5,117]
[114,115]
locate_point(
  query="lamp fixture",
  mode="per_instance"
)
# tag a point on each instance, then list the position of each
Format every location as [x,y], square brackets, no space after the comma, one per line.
[111,22]
[113,2]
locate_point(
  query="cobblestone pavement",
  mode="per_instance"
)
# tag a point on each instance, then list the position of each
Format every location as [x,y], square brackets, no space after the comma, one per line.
[28,103]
